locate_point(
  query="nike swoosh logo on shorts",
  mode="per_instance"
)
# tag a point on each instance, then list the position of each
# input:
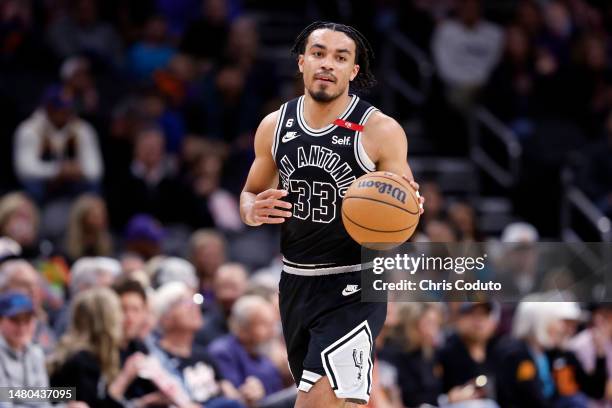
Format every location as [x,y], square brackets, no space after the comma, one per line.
[350,289]
[289,136]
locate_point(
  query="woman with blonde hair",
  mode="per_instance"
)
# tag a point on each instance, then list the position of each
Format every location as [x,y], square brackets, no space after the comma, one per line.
[417,336]
[88,233]
[87,356]
[19,220]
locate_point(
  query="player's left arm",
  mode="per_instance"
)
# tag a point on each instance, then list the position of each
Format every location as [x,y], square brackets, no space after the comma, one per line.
[387,145]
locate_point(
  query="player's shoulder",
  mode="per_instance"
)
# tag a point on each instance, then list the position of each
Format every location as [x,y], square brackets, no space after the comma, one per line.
[265,130]
[383,126]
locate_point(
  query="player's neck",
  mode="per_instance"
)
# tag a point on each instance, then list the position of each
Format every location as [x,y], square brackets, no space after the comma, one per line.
[321,114]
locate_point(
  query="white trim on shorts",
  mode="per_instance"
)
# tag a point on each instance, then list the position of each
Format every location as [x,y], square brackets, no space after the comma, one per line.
[359,392]
[309,379]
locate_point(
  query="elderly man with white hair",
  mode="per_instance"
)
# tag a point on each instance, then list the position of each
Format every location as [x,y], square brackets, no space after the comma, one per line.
[177,307]
[240,354]
[229,284]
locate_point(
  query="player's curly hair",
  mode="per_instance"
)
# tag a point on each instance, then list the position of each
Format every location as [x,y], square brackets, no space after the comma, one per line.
[364,54]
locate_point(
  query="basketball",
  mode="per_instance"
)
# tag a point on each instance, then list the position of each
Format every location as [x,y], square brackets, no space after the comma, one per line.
[380,210]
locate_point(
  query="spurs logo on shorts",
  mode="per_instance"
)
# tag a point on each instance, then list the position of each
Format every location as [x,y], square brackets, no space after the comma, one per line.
[348,364]
[358,359]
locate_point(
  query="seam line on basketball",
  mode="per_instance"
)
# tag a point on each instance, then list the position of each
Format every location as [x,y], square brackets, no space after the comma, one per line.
[375,230]
[383,202]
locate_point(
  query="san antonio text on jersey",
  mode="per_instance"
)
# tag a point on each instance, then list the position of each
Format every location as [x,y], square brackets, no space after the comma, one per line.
[317,166]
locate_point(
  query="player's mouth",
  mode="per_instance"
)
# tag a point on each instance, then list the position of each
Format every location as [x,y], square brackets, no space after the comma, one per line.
[325,78]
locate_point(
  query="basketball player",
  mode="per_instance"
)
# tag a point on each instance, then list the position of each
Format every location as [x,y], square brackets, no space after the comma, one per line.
[314,147]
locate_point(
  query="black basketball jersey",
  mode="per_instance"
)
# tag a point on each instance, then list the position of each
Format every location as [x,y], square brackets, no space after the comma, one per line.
[316,167]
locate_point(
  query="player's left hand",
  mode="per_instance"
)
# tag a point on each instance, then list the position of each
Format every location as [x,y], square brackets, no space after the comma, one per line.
[416,186]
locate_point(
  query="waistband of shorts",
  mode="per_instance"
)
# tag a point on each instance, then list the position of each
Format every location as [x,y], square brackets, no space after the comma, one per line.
[321,269]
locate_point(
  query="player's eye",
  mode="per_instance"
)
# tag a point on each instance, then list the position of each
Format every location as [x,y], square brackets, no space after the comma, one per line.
[317,54]
[341,58]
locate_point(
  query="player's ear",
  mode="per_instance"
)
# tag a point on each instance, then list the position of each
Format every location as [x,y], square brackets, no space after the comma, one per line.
[301,63]
[355,71]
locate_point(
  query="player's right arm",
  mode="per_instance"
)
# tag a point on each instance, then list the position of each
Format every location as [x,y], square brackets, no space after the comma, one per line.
[260,202]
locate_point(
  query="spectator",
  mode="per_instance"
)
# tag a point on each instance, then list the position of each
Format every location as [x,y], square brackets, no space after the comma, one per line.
[87,356]
[239,354]
[420,333]
[55,151]
[589,344]
[88,233]
[470,351]
[173,269]
[18,275]
[518,266]
[137,324]
[435,202]
[153,51]
[179,319]
[86,273]
[81,32]
[136,313]
[513,83]
[589,80]
[144,236]
[463,217]
[151,186]
[207,253]
[596,176]
[573,385]
[229,285]
[212,24]
[466,50]
[21,46]
[23,361]
[19,219]
[215,204]
[524,376]
[78,82]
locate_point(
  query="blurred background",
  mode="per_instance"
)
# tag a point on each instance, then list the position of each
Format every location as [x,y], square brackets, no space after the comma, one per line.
[126,134]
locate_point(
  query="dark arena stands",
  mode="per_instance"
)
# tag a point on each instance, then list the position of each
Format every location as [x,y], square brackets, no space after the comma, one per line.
[126,136]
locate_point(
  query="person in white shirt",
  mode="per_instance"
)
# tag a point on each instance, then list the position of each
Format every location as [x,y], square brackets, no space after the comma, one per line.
[466,50]
[56,153]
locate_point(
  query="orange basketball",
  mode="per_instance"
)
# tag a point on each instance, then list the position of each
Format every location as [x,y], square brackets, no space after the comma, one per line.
[380,210]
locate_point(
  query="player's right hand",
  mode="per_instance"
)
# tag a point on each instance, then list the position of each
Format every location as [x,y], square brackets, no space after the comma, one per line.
[268,208]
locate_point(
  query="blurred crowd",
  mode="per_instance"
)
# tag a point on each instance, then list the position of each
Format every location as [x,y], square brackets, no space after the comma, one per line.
[126,134]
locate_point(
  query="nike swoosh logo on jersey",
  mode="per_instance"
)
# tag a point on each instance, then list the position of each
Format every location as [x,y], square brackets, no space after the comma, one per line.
[350,289]
[289,136]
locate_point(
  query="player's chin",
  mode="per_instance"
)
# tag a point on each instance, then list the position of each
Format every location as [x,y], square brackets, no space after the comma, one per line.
[323,95]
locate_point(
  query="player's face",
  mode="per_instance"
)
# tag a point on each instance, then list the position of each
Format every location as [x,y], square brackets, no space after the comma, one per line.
[328,64]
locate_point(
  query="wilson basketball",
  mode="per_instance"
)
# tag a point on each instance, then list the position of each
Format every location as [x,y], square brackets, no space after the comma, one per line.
[380,210]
